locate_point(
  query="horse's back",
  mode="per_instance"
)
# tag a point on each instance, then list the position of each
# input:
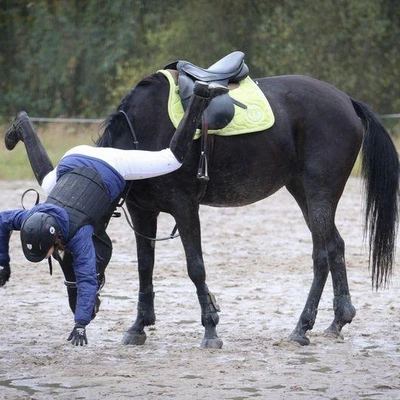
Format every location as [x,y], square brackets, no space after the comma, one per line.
[325,126]
[307,98]
[316,132]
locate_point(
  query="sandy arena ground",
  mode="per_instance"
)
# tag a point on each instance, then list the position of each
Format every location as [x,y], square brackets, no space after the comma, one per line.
[258,261]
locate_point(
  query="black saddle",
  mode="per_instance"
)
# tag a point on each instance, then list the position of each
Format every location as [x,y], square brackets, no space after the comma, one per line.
[229,69]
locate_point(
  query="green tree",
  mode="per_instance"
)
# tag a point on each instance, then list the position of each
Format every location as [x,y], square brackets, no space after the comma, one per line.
[78,58]
[350,44]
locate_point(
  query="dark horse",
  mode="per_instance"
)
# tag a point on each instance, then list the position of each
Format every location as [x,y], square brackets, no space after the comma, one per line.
[311,150]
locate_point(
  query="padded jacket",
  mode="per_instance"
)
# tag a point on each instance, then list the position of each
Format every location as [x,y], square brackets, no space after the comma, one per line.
[81,244]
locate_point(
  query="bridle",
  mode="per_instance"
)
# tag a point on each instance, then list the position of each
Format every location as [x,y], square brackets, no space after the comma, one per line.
[173,234]
[135,141]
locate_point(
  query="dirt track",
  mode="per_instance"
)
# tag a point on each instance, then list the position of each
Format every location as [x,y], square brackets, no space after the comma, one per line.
[258,262]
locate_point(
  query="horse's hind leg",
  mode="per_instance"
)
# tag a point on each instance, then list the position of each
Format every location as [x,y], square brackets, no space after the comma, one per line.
[343,308]
[328,254]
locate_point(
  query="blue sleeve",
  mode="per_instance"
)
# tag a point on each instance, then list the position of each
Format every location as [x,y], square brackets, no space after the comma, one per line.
[82,249]
[9,221]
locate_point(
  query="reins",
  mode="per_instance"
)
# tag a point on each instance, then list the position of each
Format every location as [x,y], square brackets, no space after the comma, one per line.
[172,235]
[27,191]
[202,174]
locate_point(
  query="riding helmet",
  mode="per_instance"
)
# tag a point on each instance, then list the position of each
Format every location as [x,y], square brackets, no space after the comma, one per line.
[38,233]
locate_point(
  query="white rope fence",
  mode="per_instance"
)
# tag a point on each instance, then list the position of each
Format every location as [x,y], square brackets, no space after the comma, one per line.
[389,116]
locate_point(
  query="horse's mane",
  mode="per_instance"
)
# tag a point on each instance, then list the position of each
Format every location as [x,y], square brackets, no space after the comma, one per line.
[105,139]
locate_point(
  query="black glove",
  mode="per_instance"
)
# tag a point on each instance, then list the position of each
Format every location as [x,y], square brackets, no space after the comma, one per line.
[5,273]
[78,335]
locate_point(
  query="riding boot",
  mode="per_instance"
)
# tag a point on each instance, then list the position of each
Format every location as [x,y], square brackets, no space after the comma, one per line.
[22,129]
[202,95]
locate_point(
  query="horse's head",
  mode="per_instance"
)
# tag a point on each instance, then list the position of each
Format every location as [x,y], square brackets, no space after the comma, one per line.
[142,116]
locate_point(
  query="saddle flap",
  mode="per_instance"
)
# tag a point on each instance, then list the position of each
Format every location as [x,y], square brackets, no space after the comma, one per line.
[220,112]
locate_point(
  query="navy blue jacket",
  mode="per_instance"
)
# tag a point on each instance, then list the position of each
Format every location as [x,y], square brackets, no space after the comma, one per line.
[81,244]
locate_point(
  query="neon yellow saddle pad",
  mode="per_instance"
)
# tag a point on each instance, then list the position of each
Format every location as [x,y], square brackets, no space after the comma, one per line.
[258,115]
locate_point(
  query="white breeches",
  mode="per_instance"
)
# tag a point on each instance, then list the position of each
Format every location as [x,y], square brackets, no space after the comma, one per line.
[131,164]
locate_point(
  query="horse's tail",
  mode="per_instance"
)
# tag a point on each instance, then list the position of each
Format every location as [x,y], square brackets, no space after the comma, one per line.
[381,171]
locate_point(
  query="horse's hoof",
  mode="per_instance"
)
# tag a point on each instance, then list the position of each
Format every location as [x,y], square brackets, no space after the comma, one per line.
[134,338]
[303,340]
[215,343]
[334,331]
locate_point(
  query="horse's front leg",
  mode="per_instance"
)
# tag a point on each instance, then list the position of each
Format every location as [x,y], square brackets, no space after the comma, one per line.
[189,228]
[145,223]
[343,308]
